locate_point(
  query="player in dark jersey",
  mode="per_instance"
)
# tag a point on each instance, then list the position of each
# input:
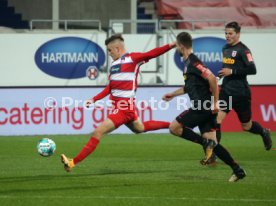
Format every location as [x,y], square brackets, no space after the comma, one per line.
[237,64]
[201,86]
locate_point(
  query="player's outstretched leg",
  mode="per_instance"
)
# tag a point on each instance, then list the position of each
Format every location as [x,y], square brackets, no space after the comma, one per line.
[106,127]
[155,125]
[138,127]
[86,150]
[68,163]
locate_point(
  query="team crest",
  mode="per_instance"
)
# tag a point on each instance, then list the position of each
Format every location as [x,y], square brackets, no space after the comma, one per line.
[234,53]
[123,59]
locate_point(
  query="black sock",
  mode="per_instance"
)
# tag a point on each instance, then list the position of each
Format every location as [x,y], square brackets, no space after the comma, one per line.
[218,132]
[225,156]
[190,135]
[256,128]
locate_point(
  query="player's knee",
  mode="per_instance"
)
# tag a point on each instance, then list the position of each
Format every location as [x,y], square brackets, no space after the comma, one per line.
[221,116]
[246,126]
[173,130]
[138,130]
[219,121]
[97,133]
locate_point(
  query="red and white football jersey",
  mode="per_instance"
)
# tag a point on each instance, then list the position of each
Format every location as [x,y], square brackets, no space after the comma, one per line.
[124,72]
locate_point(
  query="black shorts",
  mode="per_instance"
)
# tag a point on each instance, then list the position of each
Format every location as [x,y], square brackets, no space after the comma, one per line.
[205,120]
[240,104]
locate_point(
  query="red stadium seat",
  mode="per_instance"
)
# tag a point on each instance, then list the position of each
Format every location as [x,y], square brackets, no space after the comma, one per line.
[249,13]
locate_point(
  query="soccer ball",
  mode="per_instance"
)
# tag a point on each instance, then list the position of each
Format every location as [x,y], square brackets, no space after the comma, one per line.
[46,147]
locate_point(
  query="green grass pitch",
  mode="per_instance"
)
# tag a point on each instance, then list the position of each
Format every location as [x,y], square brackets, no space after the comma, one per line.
[150,169]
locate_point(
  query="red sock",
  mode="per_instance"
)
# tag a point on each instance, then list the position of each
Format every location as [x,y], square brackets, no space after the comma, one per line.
[155,125]
[86,150]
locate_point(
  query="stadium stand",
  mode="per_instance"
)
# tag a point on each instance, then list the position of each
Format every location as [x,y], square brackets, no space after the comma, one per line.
[249,13]
[10,19]
[146,10]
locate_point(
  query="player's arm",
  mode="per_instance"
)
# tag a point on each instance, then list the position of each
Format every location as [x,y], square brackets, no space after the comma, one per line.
[213,84]
[250,67]
[101,95]
[139,57]
[169,96]
[215,92]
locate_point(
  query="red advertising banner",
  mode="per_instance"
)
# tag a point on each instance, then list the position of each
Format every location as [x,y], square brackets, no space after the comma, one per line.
[263,110]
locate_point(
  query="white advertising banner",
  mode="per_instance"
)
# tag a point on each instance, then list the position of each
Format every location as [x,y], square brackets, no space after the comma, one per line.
[61,110]
[50,59]
[61,59]
[76,59]
[208,46]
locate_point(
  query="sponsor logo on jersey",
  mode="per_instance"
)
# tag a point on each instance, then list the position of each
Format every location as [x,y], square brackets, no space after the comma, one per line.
[69,57]
[115,69]
[208,50]
[228,60]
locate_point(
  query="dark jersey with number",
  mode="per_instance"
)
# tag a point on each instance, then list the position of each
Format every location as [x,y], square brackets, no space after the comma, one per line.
[239,59]
[196,85]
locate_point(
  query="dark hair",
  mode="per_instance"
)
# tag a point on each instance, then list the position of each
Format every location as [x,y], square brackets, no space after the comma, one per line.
[234,25]
[185,39]
[114,37]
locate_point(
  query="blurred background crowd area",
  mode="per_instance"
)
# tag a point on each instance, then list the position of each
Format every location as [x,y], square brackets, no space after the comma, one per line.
[190,14]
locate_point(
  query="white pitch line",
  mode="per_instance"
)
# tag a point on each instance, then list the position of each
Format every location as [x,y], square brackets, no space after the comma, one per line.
[137,197]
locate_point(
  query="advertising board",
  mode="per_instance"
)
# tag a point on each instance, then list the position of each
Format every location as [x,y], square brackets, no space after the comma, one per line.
[40,111]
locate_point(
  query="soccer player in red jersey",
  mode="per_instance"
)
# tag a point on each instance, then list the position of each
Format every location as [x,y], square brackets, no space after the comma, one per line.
[121,88]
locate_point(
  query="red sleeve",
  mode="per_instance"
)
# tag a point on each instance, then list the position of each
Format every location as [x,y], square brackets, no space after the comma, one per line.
[102,94]
[139,57]
[203,71]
